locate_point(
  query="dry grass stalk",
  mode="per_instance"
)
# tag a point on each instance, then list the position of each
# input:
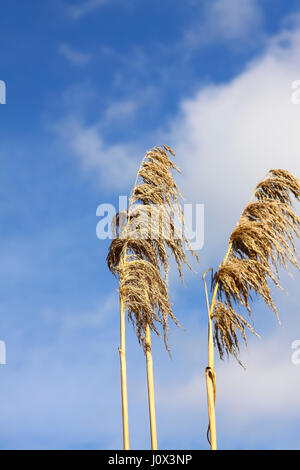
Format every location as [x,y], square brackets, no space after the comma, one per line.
[210,377]
[262,241]
[145,236]
[144,239]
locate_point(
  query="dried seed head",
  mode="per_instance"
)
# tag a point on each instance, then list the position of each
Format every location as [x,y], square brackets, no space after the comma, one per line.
[262,241]
[147,298]
[227,324]
[152,229]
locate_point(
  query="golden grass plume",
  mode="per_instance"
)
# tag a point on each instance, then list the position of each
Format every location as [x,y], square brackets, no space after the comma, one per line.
[144,237]
[262,241]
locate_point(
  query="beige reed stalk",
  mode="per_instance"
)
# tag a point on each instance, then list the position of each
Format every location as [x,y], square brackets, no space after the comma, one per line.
[210,373]
[210,376]
[144,237]
[149,365]
[122,352]
[262,239]
[150,382]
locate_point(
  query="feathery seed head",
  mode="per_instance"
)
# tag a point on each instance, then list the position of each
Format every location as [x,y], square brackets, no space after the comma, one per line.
[262,241]
[144,239]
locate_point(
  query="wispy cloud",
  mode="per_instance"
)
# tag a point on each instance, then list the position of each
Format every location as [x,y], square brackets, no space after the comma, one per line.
[112,165]
[121,110]
[129,107]
[225,20]
[71,322]
[244,127]
[247,126]
[73,56]
[77,11]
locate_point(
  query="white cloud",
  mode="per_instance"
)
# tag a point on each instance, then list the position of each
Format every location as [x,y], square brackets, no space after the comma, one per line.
[128,107]
[120,110]
[228,136]
[225,20]
[112,165]
[73,56]
[234,18]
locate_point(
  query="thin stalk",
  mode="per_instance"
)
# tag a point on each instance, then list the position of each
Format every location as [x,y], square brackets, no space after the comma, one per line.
[150,389]
[122,352]
[210,376]
[122,349]
[209,371]
[149,364]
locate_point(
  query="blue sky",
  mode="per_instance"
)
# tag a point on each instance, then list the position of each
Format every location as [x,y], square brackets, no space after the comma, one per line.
[91,85]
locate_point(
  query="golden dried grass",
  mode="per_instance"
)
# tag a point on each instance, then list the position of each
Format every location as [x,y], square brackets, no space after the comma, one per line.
[262,241]
[144,239]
